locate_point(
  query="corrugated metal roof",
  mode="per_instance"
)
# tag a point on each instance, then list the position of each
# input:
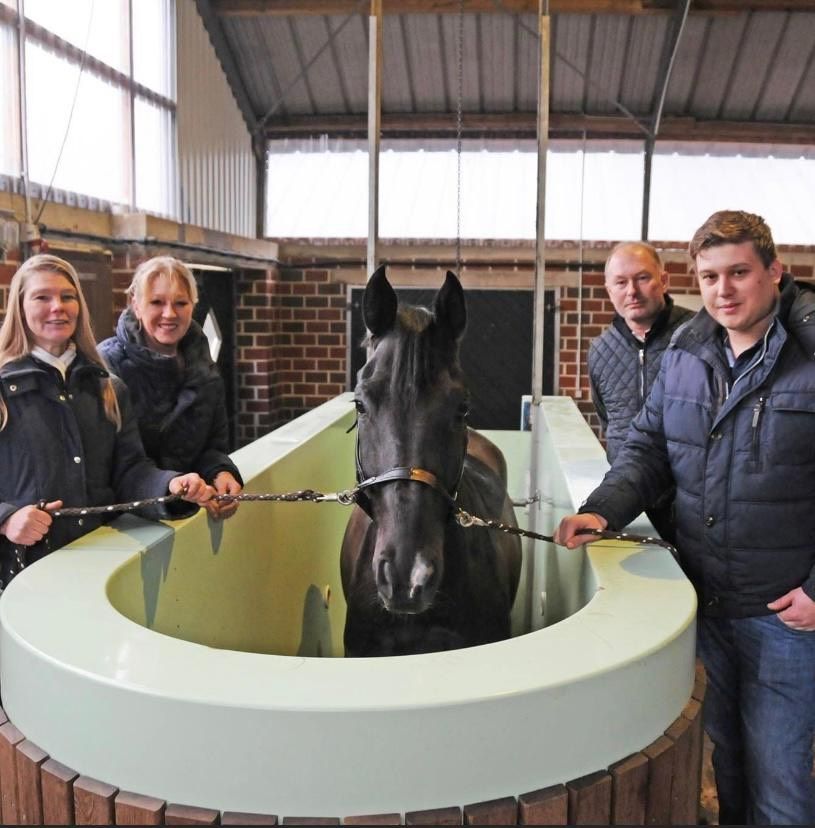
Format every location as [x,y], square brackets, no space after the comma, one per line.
[742,66]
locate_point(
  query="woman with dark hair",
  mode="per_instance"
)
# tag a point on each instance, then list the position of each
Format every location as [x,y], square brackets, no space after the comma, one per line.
[67,434]
[163,356]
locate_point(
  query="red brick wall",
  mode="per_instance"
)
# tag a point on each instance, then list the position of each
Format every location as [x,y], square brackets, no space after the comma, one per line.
[291,345]
[311,348]
[291,323]
[256,351]
[310,345]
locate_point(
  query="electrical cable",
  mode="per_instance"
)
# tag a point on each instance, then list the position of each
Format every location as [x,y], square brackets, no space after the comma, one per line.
[70,115]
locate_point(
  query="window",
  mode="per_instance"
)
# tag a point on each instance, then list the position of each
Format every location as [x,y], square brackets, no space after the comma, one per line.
[9,96]
[95,149]
[99,98]
[690,182]
[320,190]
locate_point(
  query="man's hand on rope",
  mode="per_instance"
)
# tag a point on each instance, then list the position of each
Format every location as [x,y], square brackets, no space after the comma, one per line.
[192,488]
[568,532]
[30,524]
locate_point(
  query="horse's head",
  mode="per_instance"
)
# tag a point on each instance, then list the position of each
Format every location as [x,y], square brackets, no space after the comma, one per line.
[412,407]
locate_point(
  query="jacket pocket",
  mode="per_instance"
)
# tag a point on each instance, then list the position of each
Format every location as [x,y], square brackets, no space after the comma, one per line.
[791,428]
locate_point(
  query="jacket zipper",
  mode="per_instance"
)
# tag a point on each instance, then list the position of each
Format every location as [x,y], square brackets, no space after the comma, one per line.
[758,408]
[642,376]
[756,362]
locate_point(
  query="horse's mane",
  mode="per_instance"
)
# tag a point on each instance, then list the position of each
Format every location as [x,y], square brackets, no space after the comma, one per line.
[418,351]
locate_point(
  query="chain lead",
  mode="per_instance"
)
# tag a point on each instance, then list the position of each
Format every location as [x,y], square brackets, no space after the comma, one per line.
[348,497]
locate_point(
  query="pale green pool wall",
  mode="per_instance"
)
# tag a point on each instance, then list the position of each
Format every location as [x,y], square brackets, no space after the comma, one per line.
[150,640]
[268,579]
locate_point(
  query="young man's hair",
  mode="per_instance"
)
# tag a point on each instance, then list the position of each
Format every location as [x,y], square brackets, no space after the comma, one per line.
[735,227]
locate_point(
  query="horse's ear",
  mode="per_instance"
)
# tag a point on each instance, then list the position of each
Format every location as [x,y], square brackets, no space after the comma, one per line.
[450,307]
[379,303]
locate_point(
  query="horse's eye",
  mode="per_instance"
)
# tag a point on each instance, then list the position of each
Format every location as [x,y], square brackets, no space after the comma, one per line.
[463,411]
[360,406]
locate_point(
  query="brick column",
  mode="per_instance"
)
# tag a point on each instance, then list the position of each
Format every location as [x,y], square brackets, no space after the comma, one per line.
[310,353]
[257,326]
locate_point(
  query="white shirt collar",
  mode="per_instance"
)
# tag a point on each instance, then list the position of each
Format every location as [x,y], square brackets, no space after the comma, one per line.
[61,363]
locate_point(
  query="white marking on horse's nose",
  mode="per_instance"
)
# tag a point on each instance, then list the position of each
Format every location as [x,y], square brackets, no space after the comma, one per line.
[420,575]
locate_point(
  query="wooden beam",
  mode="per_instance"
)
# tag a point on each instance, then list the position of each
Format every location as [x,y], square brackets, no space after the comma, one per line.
[561,125]
[306,7]
[742,5]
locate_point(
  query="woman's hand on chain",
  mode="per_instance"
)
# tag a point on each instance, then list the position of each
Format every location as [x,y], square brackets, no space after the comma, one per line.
[192,488]
[30,524]
[224,484]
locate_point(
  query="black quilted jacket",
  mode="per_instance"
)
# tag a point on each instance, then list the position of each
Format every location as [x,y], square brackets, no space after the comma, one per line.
[622,370]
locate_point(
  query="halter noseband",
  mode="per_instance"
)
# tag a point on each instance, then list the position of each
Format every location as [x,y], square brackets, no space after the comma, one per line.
[413,473]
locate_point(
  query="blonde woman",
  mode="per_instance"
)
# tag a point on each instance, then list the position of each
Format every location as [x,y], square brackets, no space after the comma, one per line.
[163,356]
[67,435]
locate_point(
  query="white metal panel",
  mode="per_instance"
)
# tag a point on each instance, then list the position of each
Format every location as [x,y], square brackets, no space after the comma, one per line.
[216,164]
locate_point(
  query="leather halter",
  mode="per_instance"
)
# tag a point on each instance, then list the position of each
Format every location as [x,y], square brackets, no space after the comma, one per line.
[413,473]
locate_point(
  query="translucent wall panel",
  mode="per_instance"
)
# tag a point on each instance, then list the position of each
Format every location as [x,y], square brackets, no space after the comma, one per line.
[154,45]
[778,183]
[154,168]
[322,193]
[101,24]
[95,157]
[9,103]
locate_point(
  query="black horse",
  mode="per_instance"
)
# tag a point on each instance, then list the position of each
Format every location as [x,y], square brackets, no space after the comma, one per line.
[415,581]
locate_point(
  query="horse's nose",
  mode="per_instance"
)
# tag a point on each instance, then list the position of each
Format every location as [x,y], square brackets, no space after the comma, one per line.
[406,593]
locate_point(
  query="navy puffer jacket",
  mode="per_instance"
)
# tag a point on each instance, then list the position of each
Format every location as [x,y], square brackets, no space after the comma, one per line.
[181,410]
[743,458]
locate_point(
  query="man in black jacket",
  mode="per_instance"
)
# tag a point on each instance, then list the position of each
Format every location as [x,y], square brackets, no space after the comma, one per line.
[731,419]
[624,360]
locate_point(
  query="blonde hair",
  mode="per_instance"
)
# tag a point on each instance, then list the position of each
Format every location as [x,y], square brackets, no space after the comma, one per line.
[15,337]
[173,269]
[637,247]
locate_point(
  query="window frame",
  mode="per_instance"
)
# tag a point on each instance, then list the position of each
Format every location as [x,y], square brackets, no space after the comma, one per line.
[26,29]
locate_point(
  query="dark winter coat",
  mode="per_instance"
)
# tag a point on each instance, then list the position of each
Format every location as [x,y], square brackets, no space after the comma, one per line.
[180,405]
[742,456]
[59,445]
[622,370]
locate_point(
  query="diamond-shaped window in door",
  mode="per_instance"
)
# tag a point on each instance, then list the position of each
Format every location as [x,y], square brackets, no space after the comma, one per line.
[213,334]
